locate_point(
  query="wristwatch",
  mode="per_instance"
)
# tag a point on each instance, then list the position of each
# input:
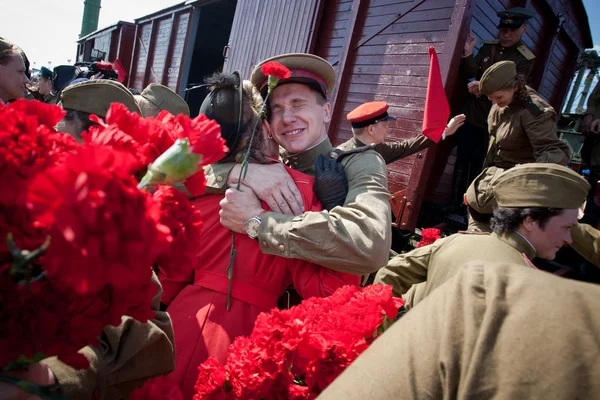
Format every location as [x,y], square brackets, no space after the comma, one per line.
[252,226]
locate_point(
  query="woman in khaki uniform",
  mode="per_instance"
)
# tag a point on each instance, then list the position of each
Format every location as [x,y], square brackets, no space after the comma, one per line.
[522,125]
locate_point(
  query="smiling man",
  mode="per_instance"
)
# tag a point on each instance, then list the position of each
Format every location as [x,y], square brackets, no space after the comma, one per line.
[537,207]
[353,238]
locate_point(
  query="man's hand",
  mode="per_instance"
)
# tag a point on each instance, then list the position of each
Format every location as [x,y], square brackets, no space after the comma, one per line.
[37,373]
[237,207]
[469,44]
[595,127]
[273,185]
[474,88]
[455,123]
[586,124]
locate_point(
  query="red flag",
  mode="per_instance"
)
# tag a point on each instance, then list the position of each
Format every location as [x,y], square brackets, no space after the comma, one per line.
[437,110]
[120,70]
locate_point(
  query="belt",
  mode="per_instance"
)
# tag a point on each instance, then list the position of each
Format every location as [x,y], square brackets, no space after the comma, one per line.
[239,290]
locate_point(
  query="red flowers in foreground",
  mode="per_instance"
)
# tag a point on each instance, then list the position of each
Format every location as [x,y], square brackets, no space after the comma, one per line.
[104,230]
[297,353]
[276,70]
[105,234]
[428,236]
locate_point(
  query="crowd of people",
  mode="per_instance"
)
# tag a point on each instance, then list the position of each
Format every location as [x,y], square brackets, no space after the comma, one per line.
[483,321]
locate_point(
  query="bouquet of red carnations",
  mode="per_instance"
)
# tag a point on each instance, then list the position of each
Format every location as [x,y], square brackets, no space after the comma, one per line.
[428,236]
[297,353]
[78,239]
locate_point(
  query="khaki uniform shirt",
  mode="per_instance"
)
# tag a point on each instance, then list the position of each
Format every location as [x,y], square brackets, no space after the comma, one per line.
[438,262]
[128,355]
[494,331]
[355,238]
[525,133]
[586,242]
[477,108]
[392,151]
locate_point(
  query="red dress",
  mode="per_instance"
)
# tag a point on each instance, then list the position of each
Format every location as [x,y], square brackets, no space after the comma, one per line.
[197,297]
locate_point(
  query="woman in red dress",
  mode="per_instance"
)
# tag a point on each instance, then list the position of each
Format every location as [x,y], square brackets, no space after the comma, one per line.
[197,297]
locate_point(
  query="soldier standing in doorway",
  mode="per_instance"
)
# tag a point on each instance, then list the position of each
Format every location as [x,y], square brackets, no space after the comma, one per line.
[472,138]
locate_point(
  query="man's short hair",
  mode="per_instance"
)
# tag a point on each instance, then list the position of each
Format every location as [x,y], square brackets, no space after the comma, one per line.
[507,219]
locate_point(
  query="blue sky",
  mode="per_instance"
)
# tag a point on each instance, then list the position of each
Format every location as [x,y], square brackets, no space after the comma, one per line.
[593,11]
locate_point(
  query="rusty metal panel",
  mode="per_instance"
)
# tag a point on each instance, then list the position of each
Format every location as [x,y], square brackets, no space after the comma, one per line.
[160,49]
[265,28]
[141,56]
[174,69]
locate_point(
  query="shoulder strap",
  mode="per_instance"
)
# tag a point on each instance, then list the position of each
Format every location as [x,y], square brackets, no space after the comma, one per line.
[532,107]
[525,52]
[339,154]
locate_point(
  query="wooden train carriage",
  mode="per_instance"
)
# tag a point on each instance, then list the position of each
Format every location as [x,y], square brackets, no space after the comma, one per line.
[181,45]
[379,49]
[115,41]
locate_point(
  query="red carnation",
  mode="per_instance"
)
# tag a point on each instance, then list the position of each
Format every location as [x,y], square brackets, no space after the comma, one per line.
[28,144]
[104,230]
[297,353]
[428,236]
[275,69]
[185,223]
[204,135]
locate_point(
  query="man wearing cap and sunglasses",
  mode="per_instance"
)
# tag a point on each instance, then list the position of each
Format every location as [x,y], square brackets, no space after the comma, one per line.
[472,138]
[370,125]
[355,237]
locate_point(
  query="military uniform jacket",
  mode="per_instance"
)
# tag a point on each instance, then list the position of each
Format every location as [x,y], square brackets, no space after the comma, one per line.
[438,262]
[355,238]
[525,132]
[127,356]
[392,151]
[494,331]
[477,108]
[586,242]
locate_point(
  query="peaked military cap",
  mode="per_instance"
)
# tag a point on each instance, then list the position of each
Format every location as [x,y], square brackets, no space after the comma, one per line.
[369,113]
[541,185]
[46,73]
[305,68]
[96,96]
[156,97]
[497,76]
[514,17]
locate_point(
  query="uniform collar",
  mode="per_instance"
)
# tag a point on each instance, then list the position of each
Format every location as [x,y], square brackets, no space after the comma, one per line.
[514,46]
[305,161]
[518,242]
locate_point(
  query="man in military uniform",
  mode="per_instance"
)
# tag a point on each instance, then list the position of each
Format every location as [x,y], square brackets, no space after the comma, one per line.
[353,238]
[472,138]
[45,87]
[494,330]
[156,98]
[523,227]
[370,124]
